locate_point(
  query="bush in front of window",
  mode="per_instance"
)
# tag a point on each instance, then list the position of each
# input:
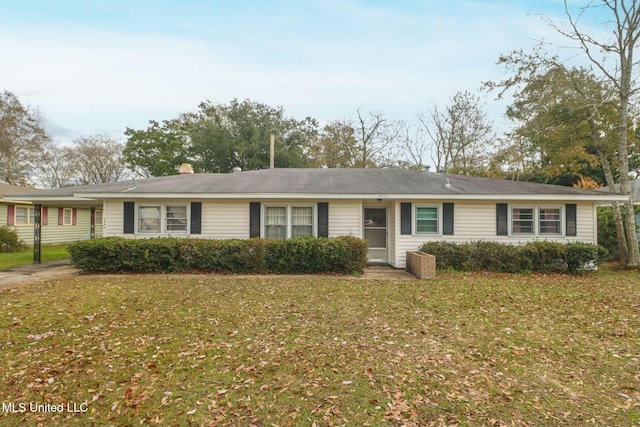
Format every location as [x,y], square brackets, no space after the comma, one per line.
[539,256]
[9,240]
[253,256]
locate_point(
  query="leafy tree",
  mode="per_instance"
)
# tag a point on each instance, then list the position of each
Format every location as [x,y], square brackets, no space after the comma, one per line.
[566,124]
[219,137]
[237,134]
[158,150]
[336,146]
[22,137]
[611,51]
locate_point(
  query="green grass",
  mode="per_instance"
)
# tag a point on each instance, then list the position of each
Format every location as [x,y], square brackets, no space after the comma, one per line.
[19,259]
[467,349]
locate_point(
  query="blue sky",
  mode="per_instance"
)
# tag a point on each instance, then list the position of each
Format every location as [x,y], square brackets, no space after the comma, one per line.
[102,66]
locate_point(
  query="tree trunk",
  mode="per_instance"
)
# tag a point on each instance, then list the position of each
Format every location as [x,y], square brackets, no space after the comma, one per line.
[623,250]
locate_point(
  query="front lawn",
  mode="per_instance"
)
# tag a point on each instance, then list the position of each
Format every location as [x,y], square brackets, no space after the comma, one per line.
[19,259]
[468,349]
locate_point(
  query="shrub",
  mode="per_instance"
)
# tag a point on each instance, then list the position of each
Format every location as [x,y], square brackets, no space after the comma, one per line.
[540,256]
[256,256]
[607,237]
[9,240]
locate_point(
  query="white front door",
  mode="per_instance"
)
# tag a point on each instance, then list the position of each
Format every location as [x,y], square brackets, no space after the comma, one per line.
[375,233]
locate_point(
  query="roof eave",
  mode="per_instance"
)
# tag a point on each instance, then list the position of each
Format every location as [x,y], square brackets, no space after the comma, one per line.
[443,196]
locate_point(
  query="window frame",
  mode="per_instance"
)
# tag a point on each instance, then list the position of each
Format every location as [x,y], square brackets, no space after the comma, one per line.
[288,218]
[438,208]
[30,217]
[164,217]
[101,213]
[64,217]
[162,227]
[513,220]
[536,222]
[560,221]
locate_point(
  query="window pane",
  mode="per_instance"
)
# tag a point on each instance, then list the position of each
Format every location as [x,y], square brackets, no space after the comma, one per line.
[522,220]
[302,221]
[275,222]
[149,219]
[375,217]
[427,220]
[549,221]
[176,217]
[98,217]
[22,215]
[67,217]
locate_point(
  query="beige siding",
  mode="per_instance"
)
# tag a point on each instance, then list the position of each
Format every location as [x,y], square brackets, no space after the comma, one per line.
[225,219]
[477,221]
[113,217]
[52,233]
[345,218]
[3,214]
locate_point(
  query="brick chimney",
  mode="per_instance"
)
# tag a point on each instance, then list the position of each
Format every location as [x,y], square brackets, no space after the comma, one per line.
[185,169]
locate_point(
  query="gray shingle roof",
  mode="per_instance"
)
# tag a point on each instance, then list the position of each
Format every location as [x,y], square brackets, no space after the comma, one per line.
[320,181]
[6,189]
[329,181]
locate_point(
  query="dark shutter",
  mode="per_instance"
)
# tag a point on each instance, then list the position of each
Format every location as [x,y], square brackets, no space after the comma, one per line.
[60,216]
[129,217]
[45,215]
[323,219]
[196,217]
[254,219]
[405,218]
[11,214]
[570,219]
[74,216]
[502,222]
[447,219]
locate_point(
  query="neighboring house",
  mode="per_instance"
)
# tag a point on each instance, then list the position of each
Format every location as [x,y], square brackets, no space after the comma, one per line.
[62,221]
[395,210]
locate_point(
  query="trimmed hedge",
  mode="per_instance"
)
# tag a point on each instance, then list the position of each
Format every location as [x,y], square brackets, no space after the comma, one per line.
[539,256]
[343,254]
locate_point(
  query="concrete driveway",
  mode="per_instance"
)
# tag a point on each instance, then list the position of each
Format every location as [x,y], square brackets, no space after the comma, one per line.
[35,272]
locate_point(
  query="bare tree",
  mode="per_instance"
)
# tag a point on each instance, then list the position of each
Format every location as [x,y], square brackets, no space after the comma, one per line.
[415,145]
[613,57]
[98,159]
[56,168]
[22,137]
[375,135]
[460,134]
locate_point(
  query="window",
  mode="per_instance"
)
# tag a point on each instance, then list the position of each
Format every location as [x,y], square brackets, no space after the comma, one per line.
[301,221]
[67,218]
[99,218]
[176,218]
[24,216]
[426,220]
[282,222]
[149,219]
[161,218]
[522,220]
[275,222]
[549,220]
